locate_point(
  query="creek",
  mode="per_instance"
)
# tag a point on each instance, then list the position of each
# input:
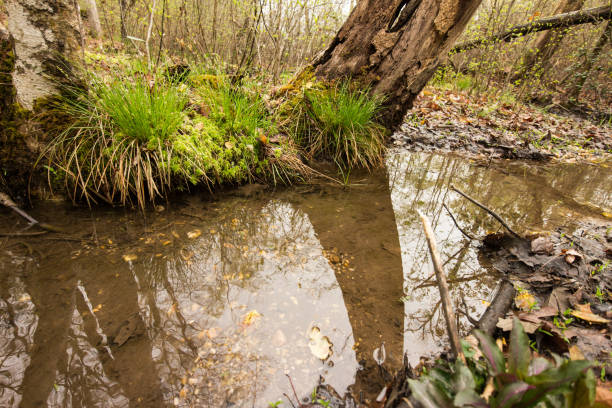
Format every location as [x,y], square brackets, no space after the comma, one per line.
[215,302]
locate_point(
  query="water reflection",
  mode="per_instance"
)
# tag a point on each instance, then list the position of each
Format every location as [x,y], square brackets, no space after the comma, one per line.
[18,322]
[528,196]
[228,317]
[216,305]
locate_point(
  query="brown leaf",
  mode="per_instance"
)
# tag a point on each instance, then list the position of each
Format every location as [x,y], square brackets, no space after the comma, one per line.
[603,395]
[542,245]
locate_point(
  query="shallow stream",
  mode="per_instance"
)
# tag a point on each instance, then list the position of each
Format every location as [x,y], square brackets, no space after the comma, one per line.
[218,302]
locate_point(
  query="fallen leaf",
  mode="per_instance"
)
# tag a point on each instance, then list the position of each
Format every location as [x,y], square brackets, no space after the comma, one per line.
[130,257]
[584,313]
[250,317]
[229,145]
[319,345]
[571,255]
[542,245]
[575,353]
[603,395]
[194,234]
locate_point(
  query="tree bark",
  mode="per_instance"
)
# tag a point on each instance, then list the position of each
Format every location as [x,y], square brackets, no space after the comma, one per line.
[46,35]
[395,46]
[94,19]
[594,15]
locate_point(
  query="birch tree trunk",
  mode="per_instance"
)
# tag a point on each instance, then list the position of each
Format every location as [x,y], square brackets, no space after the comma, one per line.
[46,36]
[94,19]
[395,46]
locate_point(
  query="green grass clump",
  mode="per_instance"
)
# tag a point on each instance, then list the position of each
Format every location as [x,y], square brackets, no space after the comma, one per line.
[339,123]
[124,142]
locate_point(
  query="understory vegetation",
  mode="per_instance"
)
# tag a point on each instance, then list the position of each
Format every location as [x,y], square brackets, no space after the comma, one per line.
[140,137]
[522,379]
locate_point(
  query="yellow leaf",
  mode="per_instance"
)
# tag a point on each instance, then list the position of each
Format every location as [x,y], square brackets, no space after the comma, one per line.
[130,257]
[606,214]
[575,353]
[168,242]
[589,317]
[194,234]
[525,301]
[250,317]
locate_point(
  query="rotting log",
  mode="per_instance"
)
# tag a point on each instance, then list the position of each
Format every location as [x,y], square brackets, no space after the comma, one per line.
[593,15]
[394,47]
[498,308]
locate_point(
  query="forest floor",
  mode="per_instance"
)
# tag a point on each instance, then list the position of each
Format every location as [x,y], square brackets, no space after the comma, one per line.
[501,127]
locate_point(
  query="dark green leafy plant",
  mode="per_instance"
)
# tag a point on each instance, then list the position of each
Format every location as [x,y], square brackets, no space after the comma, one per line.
[520,380]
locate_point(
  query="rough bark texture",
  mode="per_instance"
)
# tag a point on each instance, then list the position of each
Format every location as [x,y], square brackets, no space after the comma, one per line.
[41,37]
[45,33]
[547,42]
[395,46]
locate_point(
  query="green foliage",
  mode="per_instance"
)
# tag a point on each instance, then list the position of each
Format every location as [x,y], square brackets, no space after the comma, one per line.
[130,141]
[518,381]
[339,122]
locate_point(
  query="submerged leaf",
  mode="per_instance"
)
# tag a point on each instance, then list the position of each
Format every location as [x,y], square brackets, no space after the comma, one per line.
[319,345]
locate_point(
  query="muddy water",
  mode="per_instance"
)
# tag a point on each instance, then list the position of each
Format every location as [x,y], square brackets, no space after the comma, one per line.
[219,302]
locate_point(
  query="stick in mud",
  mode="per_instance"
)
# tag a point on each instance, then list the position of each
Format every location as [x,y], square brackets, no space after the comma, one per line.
[493,213]
[7,202]
[449,314]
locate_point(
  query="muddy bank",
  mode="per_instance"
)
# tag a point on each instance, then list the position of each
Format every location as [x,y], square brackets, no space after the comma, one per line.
[444,120]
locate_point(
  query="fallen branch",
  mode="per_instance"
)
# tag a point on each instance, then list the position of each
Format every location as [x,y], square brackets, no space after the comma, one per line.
[6,201]
[457,224]
[498,307]
[593,15]
[449,314]
[493,213]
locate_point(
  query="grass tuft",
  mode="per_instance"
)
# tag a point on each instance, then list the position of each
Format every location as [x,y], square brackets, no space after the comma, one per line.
[339,123]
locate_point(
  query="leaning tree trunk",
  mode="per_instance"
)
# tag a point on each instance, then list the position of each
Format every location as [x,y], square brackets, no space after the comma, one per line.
[547,42]
[395,46]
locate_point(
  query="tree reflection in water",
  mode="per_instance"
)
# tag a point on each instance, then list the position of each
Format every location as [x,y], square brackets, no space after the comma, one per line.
[228,314]
[528,196]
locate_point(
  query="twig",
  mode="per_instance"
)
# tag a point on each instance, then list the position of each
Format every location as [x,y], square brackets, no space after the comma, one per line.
[22,234]
[7,202]
[493,213]
[294,393]
[449,314]
[456,223]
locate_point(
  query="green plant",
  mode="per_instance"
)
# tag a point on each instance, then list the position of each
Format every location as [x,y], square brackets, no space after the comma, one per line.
[599,294]
[275,404]
[520,380]
[339,122]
